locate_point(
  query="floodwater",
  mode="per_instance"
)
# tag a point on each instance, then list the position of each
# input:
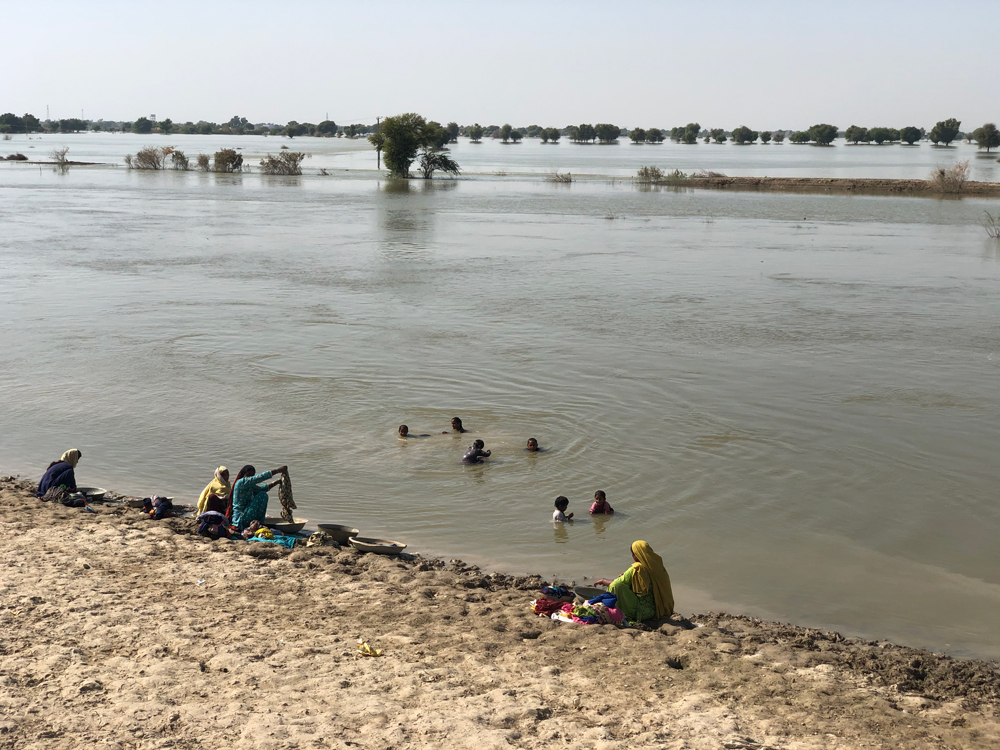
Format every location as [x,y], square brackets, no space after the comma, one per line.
[793,398]
[531,157]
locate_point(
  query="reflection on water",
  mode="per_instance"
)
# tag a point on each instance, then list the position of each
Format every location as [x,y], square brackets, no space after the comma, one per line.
[792,398]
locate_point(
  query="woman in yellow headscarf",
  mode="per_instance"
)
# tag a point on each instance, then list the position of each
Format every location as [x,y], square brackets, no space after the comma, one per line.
[643,591]
[215,495]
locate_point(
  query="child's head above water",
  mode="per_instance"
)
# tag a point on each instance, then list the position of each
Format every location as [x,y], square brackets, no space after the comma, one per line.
[403,430]
[479,444]
[532,444]
[600,497]
[562,502]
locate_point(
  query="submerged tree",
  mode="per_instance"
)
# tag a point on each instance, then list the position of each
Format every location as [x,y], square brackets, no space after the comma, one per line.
[910,134]
[606,132]
[327,127]
[882,135]
[453,131]
[823,134]
[654,135]
[691,131]
[475,133]
[436,159]
[586,132]
[800,136]
[638,135]
[718,135]
[778,136]
[987,137]
[743,135]
[765,136]
[505,130]
[401,136]
[945,131]
[855,134]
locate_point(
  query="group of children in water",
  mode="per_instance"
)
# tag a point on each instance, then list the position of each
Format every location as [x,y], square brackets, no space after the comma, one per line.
[476,453]
[600,507]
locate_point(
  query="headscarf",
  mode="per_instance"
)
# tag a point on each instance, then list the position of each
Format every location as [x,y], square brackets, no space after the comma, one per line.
[650,575]
[72,457]
[217,486]
[246,471]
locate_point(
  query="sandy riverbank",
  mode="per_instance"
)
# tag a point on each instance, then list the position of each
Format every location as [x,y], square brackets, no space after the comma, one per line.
[847,186]
[121,632]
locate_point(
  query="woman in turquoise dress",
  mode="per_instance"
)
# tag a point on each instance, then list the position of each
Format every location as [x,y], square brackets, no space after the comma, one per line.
[249,501]
[643,591]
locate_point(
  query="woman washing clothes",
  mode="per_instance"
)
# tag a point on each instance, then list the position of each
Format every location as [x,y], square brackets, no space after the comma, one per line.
[643,590]
[216,495]
[249,499]
[60,473]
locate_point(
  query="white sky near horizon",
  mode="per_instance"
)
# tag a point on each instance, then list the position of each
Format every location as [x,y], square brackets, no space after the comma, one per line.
[768,65]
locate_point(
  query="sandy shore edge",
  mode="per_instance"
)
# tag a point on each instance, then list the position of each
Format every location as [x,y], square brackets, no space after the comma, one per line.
[117,631]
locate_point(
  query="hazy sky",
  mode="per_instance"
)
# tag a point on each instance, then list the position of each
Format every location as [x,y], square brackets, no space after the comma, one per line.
[764,64]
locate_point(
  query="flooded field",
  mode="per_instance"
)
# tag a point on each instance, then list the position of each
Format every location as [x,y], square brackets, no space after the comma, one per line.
[793,398]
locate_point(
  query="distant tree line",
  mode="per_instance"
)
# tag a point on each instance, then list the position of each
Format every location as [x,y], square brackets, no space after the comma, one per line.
[943,133]
[11,123]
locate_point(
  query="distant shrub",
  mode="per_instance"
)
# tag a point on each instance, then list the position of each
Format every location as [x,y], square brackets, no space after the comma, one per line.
[227,160]
[180,161]
[951,179]
[992,225]
[17,157]
[59,155]
[204,163]
[649,174]
[149,157]
[557,176]
[287,162]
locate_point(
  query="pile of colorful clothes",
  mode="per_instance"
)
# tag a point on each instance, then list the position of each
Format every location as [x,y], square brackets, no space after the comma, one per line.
[557,593]
[598,611]
[215,526]
[593,614]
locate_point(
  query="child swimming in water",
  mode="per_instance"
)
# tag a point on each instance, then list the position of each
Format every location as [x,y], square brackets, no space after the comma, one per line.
[532,446]
[456,426]
[404,433]
[560,515]
[601,506]
[476,454]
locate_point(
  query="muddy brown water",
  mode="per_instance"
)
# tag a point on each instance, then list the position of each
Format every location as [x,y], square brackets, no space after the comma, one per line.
[793,398]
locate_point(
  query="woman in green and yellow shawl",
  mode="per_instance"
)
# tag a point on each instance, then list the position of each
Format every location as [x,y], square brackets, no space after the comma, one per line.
[643,590]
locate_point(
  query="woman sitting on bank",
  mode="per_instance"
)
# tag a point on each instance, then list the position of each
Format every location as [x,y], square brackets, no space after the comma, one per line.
[643,590]
[249,499]
[216,495]
[60,473]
